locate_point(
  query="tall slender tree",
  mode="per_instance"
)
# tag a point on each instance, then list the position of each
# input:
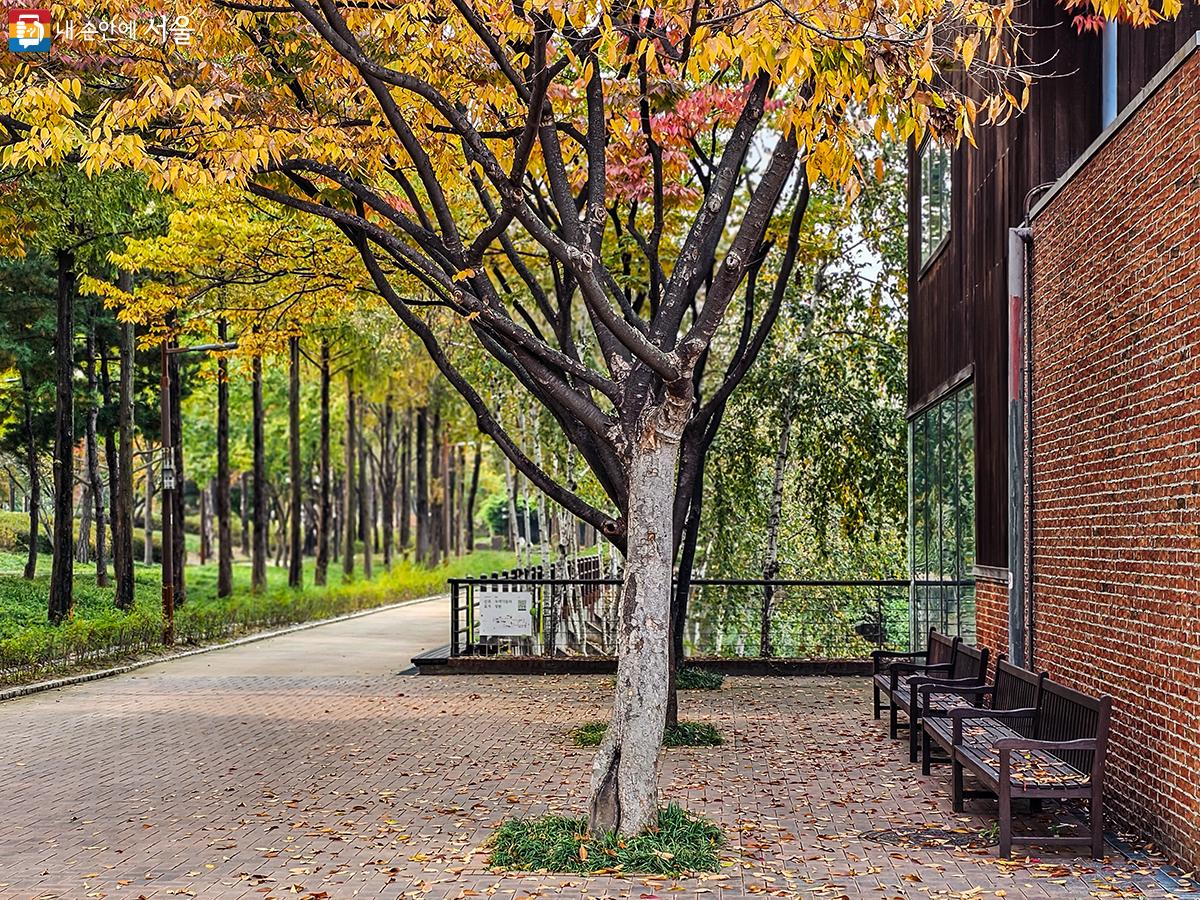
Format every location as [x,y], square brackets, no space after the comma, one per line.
[324,473]
[258,551]
[295,545]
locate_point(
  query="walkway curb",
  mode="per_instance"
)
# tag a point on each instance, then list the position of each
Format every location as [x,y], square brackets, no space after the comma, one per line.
[37,687]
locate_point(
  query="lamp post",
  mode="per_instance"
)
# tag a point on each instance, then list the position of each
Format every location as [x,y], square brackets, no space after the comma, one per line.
[169,482]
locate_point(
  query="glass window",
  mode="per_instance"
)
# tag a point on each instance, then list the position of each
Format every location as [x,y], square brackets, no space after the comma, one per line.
[935,197]
[942,516]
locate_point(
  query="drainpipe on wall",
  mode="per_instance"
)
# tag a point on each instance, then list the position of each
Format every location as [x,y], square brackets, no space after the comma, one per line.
[1108,74]
[1018,238]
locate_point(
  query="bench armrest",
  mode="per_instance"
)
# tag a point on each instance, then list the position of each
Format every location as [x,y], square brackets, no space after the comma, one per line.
[960,687]
[1020,743]
[897,669]
[878,656]
[958,716]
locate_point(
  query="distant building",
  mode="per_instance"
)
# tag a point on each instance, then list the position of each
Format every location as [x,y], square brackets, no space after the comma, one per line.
[1055,507]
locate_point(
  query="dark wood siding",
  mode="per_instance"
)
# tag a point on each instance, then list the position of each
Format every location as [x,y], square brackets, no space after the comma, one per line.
[958,304]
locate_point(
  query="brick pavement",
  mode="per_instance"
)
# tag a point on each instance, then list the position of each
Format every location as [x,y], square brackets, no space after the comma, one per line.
[219,784]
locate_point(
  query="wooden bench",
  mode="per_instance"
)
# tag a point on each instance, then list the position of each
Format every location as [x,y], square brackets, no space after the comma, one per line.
[1012,688]
[888,665]
[1053,749]
[966,666]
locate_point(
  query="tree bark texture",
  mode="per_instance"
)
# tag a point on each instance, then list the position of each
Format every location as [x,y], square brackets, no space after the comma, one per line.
[244,510]
[624,788]
[35,481]
[122,492]
[349,522]
[176,495]
[422,454]
[92,452]
[258,550]
[366,509]
[470,513]
[405,513]
[387,481]
[324,474]
[295,549]
[63,566]
[224,512]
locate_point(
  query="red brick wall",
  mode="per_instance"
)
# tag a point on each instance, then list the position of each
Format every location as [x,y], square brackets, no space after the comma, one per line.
[991,614]
[1116,453]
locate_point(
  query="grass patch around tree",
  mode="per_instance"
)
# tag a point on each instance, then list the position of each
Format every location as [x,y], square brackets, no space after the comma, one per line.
[685,734]
[690,678]
[679,843]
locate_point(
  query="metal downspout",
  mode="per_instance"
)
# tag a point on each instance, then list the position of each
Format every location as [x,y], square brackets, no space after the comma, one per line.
[1018,369]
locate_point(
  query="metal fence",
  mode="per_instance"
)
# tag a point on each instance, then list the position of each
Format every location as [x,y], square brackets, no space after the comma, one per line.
[550,612]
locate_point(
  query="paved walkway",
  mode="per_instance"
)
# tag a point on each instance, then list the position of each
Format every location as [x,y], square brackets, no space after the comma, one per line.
[305,766]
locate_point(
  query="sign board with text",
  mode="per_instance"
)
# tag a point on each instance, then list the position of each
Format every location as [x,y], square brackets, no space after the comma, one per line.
[504,612]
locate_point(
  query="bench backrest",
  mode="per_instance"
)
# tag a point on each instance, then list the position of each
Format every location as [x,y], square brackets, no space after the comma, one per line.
[970,662]
[1018,688]
[1066,714]
[941,647]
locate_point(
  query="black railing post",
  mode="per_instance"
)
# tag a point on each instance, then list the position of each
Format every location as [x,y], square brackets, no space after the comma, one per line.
[453,617]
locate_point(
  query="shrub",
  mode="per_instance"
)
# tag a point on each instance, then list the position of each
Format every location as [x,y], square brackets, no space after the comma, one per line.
[678,843]
[693,679]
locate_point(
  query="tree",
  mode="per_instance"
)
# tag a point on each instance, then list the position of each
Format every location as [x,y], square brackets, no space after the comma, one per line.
[627,170]
[28,311]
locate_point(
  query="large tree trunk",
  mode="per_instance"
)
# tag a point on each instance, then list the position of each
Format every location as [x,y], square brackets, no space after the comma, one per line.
[405,474]
[470,513]
[63,568]
[349,522]
[771,558]
[93,453]
[35,480]
[624,789]
[295,550]
[224,517]
[122,492]
[324,510]
[422,486]
[258,550]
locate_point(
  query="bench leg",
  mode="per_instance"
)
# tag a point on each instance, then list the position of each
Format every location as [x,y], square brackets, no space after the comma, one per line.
[893,723]
[877,706]
[957,794]
[926,752]
[913,726]
[1005,819]
[1096,811]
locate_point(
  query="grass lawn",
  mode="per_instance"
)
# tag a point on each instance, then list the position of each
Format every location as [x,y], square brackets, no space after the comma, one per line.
[99,633]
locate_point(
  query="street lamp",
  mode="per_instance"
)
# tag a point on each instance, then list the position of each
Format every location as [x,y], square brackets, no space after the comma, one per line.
[170,485]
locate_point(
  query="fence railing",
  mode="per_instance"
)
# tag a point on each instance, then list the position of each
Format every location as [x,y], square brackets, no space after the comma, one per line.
[539,612]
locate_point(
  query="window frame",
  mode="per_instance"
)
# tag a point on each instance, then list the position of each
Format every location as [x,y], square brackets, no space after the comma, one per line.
[935,250]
